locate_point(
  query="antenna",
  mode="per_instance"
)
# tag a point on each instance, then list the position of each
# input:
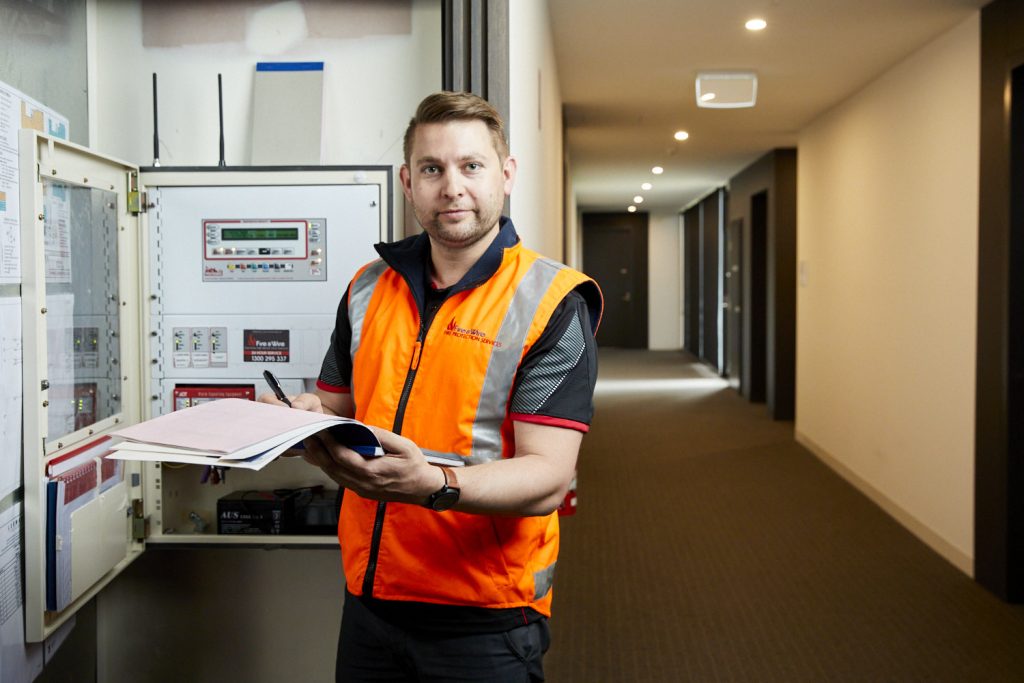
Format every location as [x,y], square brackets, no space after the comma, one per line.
[156,135]
[220,104]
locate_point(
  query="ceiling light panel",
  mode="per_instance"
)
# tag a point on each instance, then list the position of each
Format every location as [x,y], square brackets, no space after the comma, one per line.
[731,90]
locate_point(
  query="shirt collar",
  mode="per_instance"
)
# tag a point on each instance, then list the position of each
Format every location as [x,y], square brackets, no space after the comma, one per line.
[410,258]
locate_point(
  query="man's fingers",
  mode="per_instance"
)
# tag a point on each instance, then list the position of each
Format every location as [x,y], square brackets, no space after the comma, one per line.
[310,402]
[331,458]
[393,443]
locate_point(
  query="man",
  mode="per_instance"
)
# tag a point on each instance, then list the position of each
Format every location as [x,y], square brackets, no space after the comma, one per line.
[467,344]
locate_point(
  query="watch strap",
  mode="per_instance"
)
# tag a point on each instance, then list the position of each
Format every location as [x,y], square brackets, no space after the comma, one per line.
[446,496]
[450,480]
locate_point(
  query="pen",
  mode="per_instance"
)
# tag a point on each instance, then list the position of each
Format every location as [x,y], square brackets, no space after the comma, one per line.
[276,386]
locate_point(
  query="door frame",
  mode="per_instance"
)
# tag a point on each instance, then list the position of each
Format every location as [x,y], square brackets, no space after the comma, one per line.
[999,395]
[733,328]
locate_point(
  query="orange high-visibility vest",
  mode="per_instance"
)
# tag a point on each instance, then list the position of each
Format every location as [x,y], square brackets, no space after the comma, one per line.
[447,388]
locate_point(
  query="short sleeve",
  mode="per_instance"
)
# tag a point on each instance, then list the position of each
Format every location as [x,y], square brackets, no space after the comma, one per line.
[336,370]
[555,382]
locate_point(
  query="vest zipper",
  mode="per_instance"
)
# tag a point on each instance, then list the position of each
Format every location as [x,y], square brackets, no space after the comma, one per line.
[378,522]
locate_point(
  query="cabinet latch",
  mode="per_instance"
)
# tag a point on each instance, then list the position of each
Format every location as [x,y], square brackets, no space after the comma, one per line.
[140,523]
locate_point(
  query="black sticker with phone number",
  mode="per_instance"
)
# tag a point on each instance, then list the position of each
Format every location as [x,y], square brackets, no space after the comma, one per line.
[266,346]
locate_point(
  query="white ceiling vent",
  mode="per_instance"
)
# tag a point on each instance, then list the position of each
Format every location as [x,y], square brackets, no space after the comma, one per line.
[726,89]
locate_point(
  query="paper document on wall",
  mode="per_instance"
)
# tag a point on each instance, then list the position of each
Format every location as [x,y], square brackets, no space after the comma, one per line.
[11,396]
[19,661]
[17,111]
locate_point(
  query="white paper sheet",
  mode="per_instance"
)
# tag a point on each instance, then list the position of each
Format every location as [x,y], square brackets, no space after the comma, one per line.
[11,396]
[19,662]
[57,235]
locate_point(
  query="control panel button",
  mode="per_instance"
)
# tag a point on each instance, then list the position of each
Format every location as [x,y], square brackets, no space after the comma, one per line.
[316,252]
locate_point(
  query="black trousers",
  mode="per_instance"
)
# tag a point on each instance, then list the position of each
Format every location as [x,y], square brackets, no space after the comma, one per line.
[370,649]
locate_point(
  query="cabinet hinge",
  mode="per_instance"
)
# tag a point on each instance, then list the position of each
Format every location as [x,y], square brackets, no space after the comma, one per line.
[138,202]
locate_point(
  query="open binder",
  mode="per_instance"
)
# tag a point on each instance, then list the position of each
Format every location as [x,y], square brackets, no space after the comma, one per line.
[235,432]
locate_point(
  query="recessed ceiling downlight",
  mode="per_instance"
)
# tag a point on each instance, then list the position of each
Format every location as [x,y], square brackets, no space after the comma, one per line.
[657,170]
[681,135]
[631,209]
[756,24]
[638,199]
[646,186]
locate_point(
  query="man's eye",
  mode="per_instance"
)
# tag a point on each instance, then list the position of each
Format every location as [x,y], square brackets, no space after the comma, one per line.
[430,170]
[473,166]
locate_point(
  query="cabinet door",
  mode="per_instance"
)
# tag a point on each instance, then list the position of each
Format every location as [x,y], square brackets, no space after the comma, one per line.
[82,375]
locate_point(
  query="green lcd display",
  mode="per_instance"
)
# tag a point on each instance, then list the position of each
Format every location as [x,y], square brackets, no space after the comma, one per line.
[259,234]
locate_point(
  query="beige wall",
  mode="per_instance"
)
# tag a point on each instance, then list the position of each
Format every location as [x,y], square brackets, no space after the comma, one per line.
[888,223]
[573,229]
[665,308]
[535,128]
[372,82]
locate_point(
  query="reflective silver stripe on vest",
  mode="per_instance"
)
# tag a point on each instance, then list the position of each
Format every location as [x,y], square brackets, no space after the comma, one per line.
[359,300]
[542,581]
[501,367]
[454,459]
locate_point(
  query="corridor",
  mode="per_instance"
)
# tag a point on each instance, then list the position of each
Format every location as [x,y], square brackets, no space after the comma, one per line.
[709,546]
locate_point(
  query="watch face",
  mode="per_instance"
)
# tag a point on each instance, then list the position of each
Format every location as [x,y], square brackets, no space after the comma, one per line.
[442,500]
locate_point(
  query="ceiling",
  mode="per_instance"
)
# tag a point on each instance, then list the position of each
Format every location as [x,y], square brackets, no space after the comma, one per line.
[626,72]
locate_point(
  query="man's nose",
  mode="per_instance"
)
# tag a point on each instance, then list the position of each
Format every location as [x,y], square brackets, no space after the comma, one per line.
[453,186]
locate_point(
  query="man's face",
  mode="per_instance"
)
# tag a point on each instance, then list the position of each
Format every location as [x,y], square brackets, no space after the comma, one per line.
[456,182]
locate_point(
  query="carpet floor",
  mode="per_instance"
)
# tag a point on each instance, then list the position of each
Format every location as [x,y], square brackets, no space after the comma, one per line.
[709,546]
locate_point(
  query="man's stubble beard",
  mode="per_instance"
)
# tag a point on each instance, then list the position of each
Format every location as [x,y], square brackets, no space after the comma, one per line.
[463,235]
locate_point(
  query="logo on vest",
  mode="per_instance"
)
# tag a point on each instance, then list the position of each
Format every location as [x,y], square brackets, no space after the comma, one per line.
[472,334]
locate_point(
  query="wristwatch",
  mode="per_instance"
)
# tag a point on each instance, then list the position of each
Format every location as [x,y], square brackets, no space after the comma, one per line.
[446,496]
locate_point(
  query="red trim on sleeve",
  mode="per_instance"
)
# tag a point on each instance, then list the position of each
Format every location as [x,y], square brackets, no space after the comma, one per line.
[551,421]
[323,386]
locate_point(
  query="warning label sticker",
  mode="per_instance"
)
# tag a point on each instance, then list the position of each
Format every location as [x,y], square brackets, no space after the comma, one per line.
[266,346]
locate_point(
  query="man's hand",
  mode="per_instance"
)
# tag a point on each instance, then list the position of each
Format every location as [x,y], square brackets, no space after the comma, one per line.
[310,402]
[403,475]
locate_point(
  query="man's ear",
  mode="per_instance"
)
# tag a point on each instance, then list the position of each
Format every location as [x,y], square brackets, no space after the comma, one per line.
[508,169]
[405,177]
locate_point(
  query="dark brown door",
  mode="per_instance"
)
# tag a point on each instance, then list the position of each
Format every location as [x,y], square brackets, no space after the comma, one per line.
[615,254]
[733,303]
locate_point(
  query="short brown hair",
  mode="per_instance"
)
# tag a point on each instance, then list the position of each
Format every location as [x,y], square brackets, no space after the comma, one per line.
[457,106]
